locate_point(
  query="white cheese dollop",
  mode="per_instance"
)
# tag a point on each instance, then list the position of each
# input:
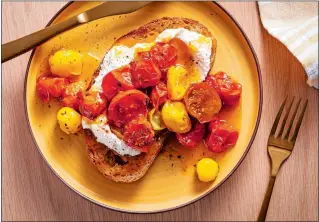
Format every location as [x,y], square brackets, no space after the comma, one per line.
[117,57]
[104,135]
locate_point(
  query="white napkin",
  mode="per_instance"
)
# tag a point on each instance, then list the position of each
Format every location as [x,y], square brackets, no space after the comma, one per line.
[295,24]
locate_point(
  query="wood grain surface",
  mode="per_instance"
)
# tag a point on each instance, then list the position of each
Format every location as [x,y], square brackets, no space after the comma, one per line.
[31,191]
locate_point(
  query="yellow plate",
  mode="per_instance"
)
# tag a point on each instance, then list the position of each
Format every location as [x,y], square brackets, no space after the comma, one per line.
[171,181]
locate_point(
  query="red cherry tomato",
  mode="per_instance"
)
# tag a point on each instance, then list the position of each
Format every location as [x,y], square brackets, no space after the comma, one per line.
[117,80]
[126,106]
[165,55]
[139,134]
[221,136]
[228,90]
[159,95]
[192,137]
[51,87]
[92,104]
[145,73]
[71,95]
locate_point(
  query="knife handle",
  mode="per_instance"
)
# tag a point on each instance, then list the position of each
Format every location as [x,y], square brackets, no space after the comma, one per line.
[24,44]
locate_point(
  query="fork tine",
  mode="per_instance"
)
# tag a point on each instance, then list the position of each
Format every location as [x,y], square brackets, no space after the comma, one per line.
[292,120]
[294,136]
[285,118]
[274,126]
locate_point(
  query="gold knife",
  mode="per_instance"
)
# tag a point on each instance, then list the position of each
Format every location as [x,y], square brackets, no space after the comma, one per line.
[24,44]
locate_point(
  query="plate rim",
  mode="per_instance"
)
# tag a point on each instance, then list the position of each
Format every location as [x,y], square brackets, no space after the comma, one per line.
[186,203]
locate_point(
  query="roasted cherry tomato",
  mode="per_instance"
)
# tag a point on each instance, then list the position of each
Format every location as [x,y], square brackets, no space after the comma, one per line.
[183,51]
[92,104]
[165,55]
[51,87]
[159,95]
[145,73]
[69,120]
[126,106]
[156,120]
[65,63]
[117,80]
[221,136]
[202,102]
[192,137]
[139,134]
[175,117]
[71,95]
[90,65]
[228,90]
[207,169]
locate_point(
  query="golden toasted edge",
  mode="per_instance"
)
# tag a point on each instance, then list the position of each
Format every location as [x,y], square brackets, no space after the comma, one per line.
[134,169]
[137,166]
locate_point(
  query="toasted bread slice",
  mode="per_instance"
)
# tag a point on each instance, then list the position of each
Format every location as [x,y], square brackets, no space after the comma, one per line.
[135,167]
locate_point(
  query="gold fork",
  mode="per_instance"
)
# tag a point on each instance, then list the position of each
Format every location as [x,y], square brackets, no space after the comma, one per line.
[280,147]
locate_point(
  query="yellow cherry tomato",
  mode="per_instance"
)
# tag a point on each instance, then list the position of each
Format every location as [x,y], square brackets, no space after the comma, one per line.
[175,117]
[207,170]
[179,79]
[65,63]
[90,65]
[69,120]
[155,118]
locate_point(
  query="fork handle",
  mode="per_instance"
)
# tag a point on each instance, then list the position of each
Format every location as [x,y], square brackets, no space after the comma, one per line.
[264,207]
[24,44]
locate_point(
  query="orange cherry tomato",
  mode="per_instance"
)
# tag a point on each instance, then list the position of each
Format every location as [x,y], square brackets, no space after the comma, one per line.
[139,134]
[145,73]
[192,137]
[228,90]
[117,80]
[202,102]
[221,136]
[51,87]
[159,95]
[92,104]
[71,95]
[126,106]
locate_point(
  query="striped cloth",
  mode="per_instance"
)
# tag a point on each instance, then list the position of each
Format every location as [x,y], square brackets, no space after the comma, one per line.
[296,25]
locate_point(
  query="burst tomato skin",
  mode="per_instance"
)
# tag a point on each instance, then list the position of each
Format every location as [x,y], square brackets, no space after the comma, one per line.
[92,104]
[126,106]
[145,73]
[193,137]
[165,55]
[139,134]
[72,94]
[110,86]
[221,136]
[117,80]
[71,101]
[162,54]
[51,87]
[228,90]
[159,95]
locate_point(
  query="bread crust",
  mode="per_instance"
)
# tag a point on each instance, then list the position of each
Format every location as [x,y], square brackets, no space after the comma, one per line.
[137,166]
